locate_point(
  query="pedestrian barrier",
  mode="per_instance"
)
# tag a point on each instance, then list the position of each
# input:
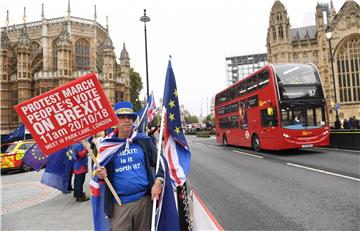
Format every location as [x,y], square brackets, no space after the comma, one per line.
[345,139]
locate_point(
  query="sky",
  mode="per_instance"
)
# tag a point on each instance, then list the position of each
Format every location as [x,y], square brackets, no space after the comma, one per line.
[198,34]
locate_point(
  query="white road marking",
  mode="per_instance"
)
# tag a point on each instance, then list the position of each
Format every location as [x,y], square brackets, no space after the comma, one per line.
[248,154]
[338,149]
[200,143]
[40,200]
[215,147]
[322,171]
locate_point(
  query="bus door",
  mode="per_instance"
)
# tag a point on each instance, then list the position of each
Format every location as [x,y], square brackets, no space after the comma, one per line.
[268,131]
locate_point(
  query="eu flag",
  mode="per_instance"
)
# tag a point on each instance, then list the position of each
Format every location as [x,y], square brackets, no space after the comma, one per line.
[58,169]
[142,115]
[17,134]
[35,158]
[176,149]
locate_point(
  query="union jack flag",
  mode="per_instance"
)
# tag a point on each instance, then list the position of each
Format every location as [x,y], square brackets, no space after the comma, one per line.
[176,149]
[151,108]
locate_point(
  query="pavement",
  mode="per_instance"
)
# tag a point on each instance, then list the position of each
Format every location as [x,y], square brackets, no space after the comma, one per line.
[26,204]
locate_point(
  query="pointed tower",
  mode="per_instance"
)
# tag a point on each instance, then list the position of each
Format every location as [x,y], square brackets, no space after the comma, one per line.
[332,11]
[279,35]
[63,53]
[5,66]
[45,40]
[108,60]
[4,52]
[125,71]
[23,75]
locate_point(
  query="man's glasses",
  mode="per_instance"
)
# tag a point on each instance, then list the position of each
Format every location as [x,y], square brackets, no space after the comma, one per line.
[129,117]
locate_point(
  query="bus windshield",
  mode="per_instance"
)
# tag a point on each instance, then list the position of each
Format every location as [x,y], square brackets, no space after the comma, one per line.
[296,74]
[303,117]
[298,81]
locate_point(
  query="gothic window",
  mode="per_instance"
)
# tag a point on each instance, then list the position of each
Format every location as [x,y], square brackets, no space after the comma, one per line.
[305,57]
[274,33]
[281,32]
[348,70]
[82,54]
[314,57]
[54,53]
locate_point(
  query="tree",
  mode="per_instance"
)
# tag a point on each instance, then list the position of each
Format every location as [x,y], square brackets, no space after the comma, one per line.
[135,88]
[156,121]
[191,119]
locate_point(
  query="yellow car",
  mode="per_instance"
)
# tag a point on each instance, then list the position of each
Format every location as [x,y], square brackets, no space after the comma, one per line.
[11,158]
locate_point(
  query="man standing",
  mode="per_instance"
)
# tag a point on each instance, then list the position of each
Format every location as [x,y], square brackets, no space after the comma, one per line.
[80,169]
[130,170]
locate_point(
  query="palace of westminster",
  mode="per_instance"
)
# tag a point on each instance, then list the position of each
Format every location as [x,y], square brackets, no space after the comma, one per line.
[36,57]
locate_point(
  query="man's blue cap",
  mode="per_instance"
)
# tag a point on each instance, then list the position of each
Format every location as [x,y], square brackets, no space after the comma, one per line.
[125,108]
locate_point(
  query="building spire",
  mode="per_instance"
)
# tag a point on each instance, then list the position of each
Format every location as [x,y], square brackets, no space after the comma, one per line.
[95,15]
[42,11]
[107,23]
[24,18]
[68,10]
[7,21]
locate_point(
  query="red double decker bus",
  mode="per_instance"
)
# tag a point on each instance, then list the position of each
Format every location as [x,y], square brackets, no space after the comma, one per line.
[281,106]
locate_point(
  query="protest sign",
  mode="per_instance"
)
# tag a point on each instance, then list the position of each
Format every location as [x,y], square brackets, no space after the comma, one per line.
[67,114]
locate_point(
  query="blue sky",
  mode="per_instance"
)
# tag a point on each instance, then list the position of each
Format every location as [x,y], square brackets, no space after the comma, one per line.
[197,34]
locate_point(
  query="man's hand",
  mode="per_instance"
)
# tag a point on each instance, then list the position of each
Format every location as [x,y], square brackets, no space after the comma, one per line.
[156,189]
[101,172]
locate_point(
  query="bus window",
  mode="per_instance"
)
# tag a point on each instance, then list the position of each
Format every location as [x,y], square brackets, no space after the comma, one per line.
[234,107]
[269,119]
[224,122]
[263,79]
[221,111]
[234,121]
[242,88]
[233,94]
[252,83]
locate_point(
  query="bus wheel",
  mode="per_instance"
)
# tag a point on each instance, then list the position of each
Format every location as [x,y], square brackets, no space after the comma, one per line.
[25,167]
[225,140]
[255,143]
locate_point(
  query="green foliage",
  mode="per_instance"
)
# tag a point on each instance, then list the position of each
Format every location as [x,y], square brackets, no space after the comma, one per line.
[209,119]
[191,119]
[135,88]
[203,134]
[156,121]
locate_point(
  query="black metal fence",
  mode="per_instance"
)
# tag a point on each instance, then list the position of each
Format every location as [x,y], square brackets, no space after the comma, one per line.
[345,139]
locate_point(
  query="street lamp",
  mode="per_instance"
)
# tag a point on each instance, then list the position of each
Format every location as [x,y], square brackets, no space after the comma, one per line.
[329,37]
[146,19]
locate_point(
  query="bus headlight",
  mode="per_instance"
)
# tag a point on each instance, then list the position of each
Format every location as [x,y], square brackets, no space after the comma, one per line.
[325,132]
[286,135]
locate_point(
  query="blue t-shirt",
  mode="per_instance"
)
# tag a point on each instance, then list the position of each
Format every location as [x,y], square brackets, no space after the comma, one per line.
[130,178]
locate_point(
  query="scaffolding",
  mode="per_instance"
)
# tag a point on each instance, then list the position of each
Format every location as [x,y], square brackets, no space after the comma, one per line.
[238,67]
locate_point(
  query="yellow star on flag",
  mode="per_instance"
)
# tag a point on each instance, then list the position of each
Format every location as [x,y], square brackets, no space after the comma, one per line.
[177,130]
[172,116]
[176,93]
[172,103]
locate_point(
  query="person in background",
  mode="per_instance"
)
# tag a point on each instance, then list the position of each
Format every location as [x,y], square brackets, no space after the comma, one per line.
[80,169]
[346,124]
[151,133]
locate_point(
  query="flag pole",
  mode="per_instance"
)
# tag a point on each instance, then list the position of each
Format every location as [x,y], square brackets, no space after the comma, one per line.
[157,164]
[142,117]
[87,146]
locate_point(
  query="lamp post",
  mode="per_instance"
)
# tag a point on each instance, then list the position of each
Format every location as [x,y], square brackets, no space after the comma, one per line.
[329,37]
[146,19]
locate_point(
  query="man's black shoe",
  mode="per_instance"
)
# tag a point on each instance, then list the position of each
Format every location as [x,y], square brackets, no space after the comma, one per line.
[82,199]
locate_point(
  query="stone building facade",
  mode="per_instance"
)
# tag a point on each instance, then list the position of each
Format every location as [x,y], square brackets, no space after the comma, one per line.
[310,45]
[36,57]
